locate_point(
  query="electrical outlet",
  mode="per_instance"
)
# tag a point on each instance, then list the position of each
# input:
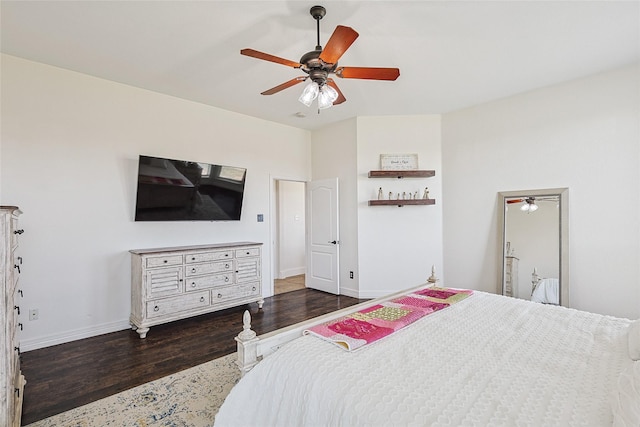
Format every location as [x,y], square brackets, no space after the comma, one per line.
[351,275]
[33,314]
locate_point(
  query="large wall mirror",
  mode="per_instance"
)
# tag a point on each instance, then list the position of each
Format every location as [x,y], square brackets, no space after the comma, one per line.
[535,245]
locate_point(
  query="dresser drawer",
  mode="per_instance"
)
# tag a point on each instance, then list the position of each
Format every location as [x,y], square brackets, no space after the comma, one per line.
[235,292]
[186,302]
[15,232]
[246,252]
[213,267]
[164,261]
[210,281]
[207,256]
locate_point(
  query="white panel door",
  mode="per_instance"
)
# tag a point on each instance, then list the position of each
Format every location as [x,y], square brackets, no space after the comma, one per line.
[322,236]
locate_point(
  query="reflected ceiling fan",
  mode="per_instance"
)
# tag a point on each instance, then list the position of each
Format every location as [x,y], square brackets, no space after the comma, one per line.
[320,63]
[529,203]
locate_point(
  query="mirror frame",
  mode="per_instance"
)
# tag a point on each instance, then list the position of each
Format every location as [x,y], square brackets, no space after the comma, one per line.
[563,194]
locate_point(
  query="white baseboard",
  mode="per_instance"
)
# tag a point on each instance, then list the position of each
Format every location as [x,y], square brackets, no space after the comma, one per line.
[78,334]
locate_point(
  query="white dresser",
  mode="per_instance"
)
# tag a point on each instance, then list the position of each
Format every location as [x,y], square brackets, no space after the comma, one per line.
[11,377]
[169,284]
[511,276]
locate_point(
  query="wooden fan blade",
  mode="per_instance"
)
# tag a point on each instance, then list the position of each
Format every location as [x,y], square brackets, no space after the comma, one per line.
[515,201]
[265,56]
[369,73]
[284,85]
[341,97]
[338,43]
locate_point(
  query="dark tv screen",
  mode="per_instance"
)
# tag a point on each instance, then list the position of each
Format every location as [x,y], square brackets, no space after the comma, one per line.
[179,190]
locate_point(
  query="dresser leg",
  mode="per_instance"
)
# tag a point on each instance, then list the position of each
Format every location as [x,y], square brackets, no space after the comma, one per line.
[260,303]
[142,332]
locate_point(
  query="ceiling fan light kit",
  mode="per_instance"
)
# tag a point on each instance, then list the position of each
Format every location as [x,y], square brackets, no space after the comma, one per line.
[529,205]
[318,64]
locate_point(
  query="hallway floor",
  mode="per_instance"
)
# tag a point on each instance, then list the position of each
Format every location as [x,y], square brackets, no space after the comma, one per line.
[289,284]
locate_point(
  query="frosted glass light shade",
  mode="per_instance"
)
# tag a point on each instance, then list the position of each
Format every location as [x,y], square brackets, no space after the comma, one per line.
[326,97]
[309,93]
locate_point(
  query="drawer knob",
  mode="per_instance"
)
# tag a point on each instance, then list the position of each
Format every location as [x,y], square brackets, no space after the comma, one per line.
[226,265]
[17,391]
[219,295]
[201,299]
[17,349]
[20,326]
[193,258]
[165,261]
[193,270]
[248,253]
[156,308]
[18,231]
[18,267]
[226,254]
[21,293]
[253,289]
[15,307]
[193,284]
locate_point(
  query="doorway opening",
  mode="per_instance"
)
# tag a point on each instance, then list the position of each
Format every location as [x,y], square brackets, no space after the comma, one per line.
[290,244]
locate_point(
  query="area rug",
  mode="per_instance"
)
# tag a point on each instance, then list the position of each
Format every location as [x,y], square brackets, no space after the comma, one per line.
[190,398]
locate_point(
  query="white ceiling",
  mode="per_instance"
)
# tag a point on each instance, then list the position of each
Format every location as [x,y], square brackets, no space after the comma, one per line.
[451,54]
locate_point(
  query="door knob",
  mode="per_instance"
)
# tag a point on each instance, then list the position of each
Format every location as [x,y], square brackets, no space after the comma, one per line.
[334,242]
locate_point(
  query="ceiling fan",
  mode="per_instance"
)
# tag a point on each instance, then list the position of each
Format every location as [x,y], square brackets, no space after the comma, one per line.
[318,64]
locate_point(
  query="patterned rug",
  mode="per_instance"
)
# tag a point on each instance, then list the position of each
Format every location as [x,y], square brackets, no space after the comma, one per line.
[190,398]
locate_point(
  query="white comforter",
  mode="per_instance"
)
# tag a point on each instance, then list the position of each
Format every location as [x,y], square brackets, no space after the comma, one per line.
[487,360]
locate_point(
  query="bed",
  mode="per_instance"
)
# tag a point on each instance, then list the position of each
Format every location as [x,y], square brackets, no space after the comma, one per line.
[485,360]
[544,290]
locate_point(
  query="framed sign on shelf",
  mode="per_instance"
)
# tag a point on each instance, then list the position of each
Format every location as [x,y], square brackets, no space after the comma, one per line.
[398,161]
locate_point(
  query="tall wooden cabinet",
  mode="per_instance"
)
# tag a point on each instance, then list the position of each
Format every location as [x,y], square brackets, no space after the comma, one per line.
[169,284]
[11,377]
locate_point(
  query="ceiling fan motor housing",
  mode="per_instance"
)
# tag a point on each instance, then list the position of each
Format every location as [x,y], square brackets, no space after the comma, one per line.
[317,69]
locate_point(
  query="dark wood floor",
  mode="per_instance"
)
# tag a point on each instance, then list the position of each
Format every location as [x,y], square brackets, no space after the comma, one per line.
[69,375]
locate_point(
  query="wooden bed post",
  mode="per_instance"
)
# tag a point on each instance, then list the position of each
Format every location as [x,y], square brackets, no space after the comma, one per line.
[247,345]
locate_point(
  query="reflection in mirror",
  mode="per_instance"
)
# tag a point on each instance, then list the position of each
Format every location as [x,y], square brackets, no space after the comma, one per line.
[534,239]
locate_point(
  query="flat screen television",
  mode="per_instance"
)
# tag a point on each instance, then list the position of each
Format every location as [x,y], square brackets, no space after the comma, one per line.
[179,190]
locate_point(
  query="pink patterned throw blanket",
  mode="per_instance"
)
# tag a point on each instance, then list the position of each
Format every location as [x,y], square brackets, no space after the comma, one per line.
[368,325]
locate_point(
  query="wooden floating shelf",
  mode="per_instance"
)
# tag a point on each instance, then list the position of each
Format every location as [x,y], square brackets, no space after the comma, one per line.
[402,174]
[401,202]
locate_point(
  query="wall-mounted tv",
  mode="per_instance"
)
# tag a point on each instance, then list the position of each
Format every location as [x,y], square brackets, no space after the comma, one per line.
[179,190]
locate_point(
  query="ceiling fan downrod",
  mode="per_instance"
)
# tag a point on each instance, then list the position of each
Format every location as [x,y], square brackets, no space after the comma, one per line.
[318,12]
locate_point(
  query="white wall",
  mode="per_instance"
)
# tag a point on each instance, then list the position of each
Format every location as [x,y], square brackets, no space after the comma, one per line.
[398,246]
[70,144]
[334,154]
[583,135]
[388,248]
[291,228]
